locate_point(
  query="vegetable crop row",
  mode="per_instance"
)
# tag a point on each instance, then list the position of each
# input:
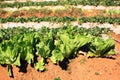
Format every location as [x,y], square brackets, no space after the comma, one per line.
[69,2]
[62,19]
[59,12]
[56,44]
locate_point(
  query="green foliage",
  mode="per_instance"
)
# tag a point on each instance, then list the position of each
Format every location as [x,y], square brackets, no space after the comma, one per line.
[45,42]
[66,2]
[9,52]
[100,47]
[44,46]
[100,19]
[40,65]
[26,46]
[112,11]
[67,44]
[15,47]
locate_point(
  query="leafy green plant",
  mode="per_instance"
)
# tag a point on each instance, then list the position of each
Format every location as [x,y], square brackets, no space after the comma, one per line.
[40,65]
[26,46]
[67,44]
[9,54]
[17,46]
[44,45]
[100,47]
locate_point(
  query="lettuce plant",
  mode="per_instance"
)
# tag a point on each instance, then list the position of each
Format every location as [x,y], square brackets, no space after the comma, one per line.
[100,47]
[67,44]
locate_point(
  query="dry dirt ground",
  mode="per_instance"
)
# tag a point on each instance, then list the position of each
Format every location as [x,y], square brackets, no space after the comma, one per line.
[80,68]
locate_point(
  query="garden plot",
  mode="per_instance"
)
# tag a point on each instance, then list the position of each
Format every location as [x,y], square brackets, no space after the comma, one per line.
[78,41]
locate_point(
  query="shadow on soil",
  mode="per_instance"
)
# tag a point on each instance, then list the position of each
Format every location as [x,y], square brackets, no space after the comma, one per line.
[64,64]
[23,67]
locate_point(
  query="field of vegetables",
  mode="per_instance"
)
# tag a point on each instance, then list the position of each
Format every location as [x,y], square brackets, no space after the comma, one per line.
[60,40]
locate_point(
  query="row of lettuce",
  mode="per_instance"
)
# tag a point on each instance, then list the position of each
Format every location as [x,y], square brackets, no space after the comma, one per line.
[56,44]
[67,2]
[68,19]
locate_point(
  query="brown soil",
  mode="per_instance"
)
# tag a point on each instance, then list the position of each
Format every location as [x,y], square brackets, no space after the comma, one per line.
[95,69]
[92,13]
[116,37]
[74,12]
[80,68]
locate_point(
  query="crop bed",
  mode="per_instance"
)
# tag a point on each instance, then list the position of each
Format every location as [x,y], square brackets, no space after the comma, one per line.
[60,40]
[61,11]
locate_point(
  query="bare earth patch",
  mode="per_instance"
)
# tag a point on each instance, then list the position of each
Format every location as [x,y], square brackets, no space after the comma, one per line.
[80,68]
[95,69]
